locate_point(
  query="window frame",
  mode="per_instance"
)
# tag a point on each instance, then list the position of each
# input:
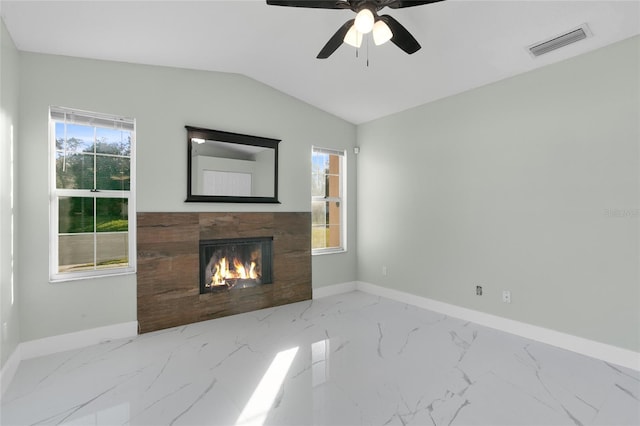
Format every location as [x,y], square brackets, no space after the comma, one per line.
[342,199]
[55,194]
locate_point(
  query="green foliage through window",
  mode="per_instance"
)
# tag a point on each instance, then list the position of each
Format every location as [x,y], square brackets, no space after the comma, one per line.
[93,182]
[92,158]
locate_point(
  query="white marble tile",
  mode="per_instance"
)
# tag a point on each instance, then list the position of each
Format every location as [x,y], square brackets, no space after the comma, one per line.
[343,360]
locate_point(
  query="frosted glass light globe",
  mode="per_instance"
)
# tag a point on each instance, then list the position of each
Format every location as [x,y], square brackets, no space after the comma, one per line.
[364,21]
[353,37]
[381,33]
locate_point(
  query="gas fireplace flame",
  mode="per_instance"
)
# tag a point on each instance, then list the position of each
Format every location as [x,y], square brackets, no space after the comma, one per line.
[225,271]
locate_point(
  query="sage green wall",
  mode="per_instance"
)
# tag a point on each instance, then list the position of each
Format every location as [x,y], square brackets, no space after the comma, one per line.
[163,101]
[530,185]
[9,77]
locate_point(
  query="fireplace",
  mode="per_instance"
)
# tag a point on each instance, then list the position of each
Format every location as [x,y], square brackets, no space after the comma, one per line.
[229,264]
[169,266]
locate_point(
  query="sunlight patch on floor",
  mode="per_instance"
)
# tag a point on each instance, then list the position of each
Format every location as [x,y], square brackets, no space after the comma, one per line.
[257,409]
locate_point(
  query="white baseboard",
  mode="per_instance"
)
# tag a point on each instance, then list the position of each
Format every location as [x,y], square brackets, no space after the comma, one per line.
[332,290]
[602,351]
[61,343]
[79,339]
[591,348]
[9,370]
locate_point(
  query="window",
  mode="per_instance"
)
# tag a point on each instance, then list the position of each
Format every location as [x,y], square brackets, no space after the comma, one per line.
[92,194]
[328,210]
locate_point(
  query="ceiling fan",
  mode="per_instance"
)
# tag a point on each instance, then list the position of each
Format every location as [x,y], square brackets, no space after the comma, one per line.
[384,28]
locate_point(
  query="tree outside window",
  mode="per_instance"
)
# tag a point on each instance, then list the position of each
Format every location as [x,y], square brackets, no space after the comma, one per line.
[92,210]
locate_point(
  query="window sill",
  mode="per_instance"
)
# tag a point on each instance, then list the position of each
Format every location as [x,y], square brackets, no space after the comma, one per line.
[322,252]
[63,279]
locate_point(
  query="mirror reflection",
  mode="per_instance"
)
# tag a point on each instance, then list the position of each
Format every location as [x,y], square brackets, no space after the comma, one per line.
[229,167]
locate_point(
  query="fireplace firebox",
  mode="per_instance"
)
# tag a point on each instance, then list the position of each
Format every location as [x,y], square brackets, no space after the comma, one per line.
[228,264]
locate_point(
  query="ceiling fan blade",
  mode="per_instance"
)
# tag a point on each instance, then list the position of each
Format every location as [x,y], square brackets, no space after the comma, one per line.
[401,37]
[410,3]
[336,40]
[315,4]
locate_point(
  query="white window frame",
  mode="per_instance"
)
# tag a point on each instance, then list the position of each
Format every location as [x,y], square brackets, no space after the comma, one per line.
[342,199]
[88,118]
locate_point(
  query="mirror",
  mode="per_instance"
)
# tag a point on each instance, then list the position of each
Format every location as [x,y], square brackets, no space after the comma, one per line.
[225,167]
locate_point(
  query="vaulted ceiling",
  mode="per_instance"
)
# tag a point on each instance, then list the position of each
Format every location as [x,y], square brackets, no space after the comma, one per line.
[465,44]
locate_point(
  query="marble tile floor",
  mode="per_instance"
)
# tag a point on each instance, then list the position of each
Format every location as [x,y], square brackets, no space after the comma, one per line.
[351,359]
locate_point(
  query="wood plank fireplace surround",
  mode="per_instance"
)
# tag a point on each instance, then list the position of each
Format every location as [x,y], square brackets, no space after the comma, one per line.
[169,266]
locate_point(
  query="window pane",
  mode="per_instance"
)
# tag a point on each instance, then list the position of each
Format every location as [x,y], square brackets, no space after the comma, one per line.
[334,164]
[113,173]
[113,141]
[318,212]
[318,181]
[319,163]
[334,221]
[60,145]
[111,215]
[76,139]
[75,215]
[325,237]
[326,224]
[319,237]
[112,250]
[333,236]
[333,186]
[74,171]
[75,252]
[319,167]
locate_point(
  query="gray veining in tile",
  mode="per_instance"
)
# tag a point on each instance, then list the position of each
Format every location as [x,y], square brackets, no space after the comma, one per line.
[344,360]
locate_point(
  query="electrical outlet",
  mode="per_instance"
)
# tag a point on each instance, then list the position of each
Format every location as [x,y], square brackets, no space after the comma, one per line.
[384,271]
[478,290]
[506,296]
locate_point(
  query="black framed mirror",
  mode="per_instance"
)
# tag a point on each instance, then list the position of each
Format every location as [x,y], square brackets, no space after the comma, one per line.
[224,167]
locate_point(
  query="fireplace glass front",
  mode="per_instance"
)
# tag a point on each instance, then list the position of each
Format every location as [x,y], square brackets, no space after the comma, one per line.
[235,263]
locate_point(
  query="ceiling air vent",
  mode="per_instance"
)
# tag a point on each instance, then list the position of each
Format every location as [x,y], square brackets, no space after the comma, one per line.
[557,42]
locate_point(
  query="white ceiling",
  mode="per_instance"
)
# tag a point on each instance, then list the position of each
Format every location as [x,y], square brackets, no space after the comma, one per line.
[465,44]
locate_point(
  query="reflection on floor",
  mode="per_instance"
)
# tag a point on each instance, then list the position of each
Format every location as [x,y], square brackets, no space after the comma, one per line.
[350,359]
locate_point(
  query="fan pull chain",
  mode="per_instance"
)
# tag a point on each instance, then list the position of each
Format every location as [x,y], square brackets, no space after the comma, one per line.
[367,52]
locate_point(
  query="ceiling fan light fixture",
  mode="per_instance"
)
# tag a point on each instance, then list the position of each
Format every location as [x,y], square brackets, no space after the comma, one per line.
[353,37]
[364,21]
[381,33]
[352,31]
